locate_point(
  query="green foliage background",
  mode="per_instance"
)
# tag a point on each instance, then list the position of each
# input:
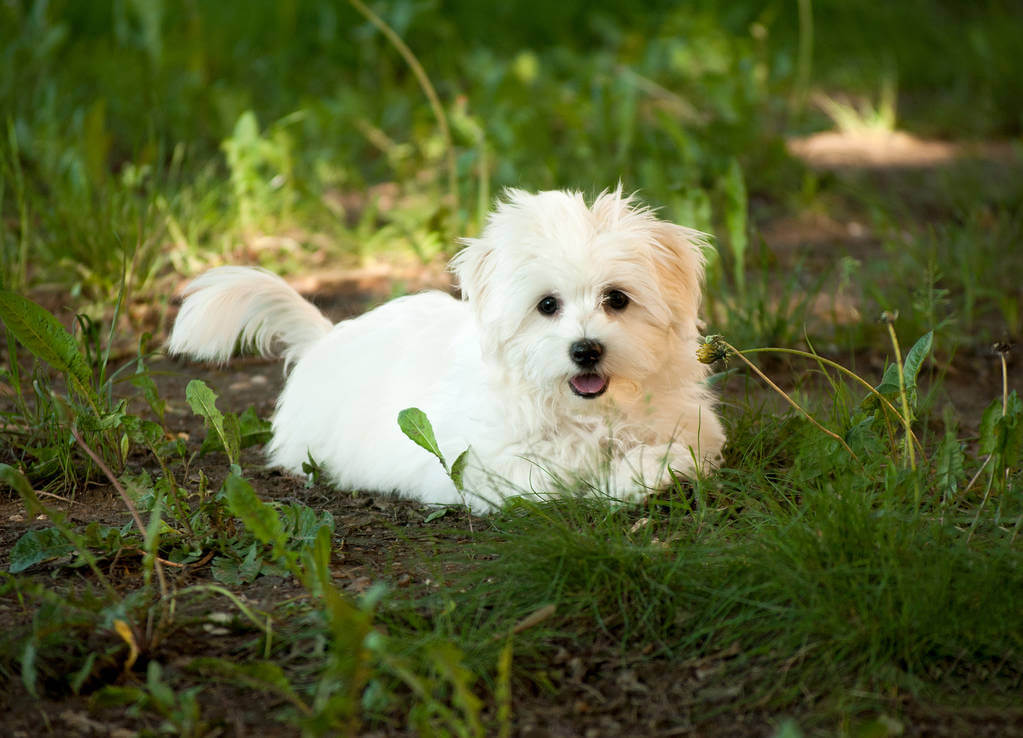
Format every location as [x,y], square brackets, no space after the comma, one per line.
[144,140]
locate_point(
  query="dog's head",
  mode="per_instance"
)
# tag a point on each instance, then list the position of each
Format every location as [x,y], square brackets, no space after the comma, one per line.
[581,300]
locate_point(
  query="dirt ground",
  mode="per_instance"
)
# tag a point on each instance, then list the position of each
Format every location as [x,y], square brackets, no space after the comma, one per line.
[596,693]
[599,692]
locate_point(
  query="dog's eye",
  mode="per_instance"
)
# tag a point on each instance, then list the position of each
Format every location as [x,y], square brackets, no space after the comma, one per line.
[616,300]
[548,305]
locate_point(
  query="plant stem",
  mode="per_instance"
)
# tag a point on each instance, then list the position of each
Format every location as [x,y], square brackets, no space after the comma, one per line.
[788,399]
[1005,383]
[983,501]
[848,372]
[249,613]
[907,420]
[804,57]
[127,502]
[428,90]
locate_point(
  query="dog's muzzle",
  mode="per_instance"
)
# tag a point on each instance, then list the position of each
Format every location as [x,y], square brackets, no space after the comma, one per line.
[586,354]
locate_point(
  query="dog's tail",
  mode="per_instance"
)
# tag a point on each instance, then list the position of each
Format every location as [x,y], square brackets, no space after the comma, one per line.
[248,307]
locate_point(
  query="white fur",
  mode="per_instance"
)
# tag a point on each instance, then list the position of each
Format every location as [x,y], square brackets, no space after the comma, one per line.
[253,307]
[490,371]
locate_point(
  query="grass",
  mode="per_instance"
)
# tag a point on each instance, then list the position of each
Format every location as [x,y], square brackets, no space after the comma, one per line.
[841,567]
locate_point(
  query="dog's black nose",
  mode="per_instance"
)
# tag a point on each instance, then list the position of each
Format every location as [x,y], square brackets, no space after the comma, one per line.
[586,352]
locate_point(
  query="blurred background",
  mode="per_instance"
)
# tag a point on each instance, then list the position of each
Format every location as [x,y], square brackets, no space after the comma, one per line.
[145,140]
[852,159]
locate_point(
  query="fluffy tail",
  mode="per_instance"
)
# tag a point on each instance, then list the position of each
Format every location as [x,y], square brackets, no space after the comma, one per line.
[246,306]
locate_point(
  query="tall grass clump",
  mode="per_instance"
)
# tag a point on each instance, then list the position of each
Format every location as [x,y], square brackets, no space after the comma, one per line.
[829,555]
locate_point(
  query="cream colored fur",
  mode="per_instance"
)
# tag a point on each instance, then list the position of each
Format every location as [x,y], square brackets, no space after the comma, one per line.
[493,371]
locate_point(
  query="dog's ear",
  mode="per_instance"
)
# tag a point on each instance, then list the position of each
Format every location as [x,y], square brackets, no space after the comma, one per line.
[473,269]
[678,254]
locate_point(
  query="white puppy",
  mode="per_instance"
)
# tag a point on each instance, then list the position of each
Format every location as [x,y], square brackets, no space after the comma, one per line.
[571,359]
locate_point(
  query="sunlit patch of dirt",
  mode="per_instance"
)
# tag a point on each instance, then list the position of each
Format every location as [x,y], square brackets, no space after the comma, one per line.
[881,149]
[373,282]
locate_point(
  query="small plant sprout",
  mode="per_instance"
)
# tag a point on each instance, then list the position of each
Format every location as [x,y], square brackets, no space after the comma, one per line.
[889,318]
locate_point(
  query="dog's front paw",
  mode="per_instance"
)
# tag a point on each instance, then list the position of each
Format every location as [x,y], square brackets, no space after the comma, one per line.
[644,470]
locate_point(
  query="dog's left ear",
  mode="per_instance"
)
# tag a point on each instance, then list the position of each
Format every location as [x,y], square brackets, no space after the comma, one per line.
[678,253]
[473,267]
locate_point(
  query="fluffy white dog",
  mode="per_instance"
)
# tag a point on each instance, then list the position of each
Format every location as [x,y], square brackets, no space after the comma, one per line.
[571,359]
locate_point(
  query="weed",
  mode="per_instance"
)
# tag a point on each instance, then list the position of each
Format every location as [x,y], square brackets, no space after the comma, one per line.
[863,118]
[843,572]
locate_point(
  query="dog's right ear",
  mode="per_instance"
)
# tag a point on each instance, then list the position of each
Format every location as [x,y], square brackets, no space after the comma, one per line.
[473,267]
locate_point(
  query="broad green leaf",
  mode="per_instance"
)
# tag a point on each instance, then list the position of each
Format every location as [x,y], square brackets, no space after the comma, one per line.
[232,437]
[43,335]
[862,437]
[988,427]
[1002,433]
[414,424]
[889,385]
[251,565]
[36,546]
[948,465]
[438,513]
[302,524]
[915,358]
[143,432]
[203,402]
[107,539]
[458,469]
[911,365]
[257,516]
[233,572]
[252,431]
[225,571]
[86,421]
[17,480]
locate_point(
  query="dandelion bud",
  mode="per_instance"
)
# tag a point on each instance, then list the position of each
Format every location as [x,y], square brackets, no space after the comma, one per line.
[713,349]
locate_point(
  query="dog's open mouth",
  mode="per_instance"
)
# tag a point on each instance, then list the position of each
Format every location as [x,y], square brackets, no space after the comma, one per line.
[588,385]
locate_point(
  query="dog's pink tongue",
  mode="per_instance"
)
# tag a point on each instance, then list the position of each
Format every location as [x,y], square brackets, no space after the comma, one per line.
[588,384]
